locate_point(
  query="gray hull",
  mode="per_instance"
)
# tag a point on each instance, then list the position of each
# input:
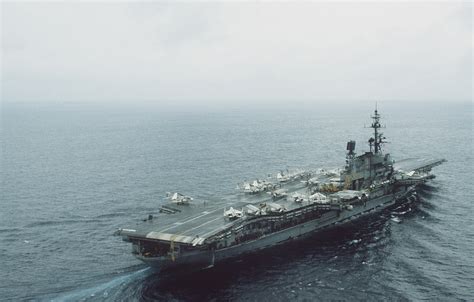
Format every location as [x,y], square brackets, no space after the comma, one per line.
[206,259]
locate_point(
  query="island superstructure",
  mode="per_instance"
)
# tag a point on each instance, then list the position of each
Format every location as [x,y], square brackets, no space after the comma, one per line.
[191,235]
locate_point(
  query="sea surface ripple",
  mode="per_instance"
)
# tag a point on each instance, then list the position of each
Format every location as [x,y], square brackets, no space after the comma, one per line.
[73,174]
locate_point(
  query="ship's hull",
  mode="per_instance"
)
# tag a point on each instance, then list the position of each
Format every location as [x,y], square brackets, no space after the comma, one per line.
[196,260]
[200,235]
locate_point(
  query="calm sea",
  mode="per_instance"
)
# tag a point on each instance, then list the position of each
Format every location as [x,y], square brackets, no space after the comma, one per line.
[72,174]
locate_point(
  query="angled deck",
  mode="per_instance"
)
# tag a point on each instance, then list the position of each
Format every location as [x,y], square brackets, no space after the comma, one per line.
[417,164]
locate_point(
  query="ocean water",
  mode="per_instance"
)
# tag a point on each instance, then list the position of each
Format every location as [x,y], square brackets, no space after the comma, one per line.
[72,174]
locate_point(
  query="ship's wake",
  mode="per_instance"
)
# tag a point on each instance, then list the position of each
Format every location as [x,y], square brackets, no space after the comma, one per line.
[112,290]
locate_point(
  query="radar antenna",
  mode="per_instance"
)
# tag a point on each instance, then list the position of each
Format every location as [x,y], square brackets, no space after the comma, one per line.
[376,141]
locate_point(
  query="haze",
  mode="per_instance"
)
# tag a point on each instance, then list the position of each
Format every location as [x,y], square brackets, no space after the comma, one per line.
[195,54]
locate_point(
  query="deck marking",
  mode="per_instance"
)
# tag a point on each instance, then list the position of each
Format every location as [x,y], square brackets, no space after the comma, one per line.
[186,221]
[207,222]
[217,230]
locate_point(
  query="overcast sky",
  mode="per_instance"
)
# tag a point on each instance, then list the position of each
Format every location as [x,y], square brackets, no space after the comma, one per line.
[228,53]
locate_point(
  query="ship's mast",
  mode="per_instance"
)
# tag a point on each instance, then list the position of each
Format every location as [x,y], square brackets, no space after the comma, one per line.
[377,140]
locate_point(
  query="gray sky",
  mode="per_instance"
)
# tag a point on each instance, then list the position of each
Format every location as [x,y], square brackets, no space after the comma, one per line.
[236,53]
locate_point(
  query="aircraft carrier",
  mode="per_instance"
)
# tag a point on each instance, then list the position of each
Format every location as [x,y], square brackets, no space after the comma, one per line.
[189,235]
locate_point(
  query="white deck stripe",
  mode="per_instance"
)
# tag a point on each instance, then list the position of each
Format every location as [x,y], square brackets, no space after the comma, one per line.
[186,221]
[217,230]
[207,222]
